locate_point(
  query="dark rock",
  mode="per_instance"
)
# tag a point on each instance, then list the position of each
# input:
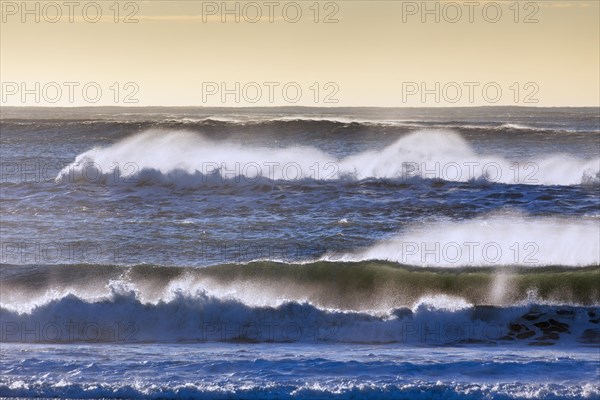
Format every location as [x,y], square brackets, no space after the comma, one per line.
[559,325]
[525,335]
[515,327]
[531,316]
[590,336]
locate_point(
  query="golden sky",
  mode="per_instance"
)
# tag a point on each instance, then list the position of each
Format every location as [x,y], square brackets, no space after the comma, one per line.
[367,53]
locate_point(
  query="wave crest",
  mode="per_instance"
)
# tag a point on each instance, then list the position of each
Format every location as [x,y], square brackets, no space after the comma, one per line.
[187,159]
[123,317]
[496,240]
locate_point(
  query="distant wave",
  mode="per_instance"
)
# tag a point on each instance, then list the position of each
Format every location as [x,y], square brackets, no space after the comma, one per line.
[519,127]
[308,123]
[190,160]
[496,240]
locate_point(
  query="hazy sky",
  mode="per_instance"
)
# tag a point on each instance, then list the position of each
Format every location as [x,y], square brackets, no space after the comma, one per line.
[368,53]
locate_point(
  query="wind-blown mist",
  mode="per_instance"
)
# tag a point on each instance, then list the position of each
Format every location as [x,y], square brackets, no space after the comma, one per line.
[497,240]
[188,159]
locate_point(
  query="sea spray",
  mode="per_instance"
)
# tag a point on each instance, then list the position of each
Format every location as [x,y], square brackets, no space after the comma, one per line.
[501,239]
[188,159]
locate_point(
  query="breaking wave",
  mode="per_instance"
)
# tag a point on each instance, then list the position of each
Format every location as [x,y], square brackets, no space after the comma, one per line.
[496,240]
[368,302]
[349,286]
[187,159]
[122,316]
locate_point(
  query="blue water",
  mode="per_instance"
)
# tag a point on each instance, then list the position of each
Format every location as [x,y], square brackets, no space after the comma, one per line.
[291,253]
[297,371]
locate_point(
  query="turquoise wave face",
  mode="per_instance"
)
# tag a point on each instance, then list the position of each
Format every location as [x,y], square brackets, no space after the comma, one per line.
[324,302]
[361,286]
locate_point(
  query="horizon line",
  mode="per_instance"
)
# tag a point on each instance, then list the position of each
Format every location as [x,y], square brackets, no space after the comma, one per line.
[288,106]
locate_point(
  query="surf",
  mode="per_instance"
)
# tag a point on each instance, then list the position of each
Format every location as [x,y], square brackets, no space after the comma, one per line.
[500,239]
[366,286]
[188,159]
[122,316]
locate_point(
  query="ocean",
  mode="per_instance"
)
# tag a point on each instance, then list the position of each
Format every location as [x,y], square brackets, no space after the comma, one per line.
[301,253]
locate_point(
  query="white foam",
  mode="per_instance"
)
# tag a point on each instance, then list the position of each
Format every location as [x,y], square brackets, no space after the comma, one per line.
[500,240]
[189,159]
[185,316]
[518,126]
[440,303]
